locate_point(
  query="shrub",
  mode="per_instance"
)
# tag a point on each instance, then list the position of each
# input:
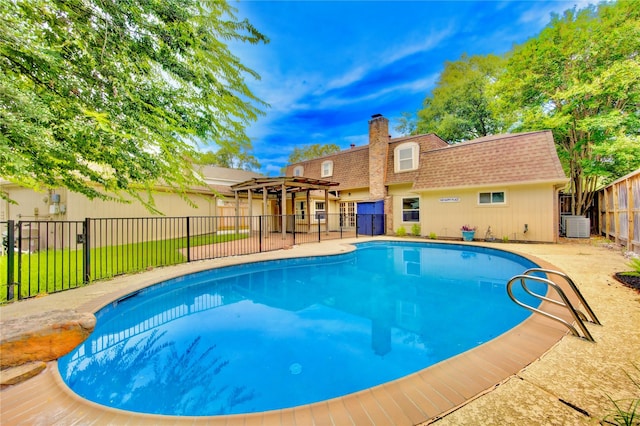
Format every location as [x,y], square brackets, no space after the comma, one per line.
[401,232]
[635,265]
[432,235]
[415,230]
[627,411]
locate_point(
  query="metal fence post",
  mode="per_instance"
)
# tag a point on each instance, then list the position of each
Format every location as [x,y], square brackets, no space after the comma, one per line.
[384,224]
[86,251]
[373,224]
[19,282]
[261,218]
[293,228]
[10,259]
[357,229]
[188,240]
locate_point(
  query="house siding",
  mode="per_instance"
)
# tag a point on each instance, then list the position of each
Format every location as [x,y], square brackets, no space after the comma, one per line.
[33,205]
[532,205]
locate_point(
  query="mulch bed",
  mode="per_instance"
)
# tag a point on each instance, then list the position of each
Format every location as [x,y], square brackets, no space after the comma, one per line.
[628,280]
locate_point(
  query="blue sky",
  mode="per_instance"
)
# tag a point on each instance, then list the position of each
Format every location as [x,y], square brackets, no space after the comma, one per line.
[330,65]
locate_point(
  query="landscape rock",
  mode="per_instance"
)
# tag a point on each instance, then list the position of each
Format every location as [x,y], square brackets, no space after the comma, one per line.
[43,337]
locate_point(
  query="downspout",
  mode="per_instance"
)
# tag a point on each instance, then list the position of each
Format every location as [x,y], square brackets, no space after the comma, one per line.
[556,211]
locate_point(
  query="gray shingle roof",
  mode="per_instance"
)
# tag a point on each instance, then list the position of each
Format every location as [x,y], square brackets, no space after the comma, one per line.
[497,159]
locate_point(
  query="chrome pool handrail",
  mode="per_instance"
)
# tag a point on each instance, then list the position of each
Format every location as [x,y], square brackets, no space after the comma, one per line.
[567,304]
[575,289]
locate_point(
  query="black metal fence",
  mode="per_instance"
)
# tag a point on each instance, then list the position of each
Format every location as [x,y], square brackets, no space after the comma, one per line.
[50,256]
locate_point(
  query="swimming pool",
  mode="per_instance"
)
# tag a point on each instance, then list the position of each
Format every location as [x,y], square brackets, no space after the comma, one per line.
[256,337]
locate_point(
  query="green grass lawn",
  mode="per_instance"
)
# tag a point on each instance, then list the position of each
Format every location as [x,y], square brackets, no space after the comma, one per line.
[49,271]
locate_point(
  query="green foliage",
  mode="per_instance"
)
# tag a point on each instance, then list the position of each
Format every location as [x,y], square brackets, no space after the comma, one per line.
[432,235]
[505,239]
[401,232]
[580,77]
[107,98]
[628,415]
[415,230]
[407,124]
[309,152]
[226,157]
[635,265]
[460,106]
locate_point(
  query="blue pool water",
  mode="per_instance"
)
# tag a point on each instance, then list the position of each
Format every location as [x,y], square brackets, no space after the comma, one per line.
[277,334]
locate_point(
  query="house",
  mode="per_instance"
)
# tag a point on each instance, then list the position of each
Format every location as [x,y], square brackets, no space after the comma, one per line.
[62,204]
[505,185]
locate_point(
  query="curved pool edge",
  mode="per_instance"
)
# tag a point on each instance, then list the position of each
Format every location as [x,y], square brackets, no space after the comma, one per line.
[417,398]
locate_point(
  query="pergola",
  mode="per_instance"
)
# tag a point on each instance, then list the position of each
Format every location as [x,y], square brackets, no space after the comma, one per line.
[279,187]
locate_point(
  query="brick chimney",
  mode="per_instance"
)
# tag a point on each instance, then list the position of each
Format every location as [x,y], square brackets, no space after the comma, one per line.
[378,144]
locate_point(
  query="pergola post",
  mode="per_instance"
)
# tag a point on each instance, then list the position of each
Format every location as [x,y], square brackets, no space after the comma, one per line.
[264,202]
[326,211]
[283,211]
[309,210]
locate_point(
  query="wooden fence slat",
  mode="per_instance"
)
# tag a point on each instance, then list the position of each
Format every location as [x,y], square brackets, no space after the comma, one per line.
[627,233]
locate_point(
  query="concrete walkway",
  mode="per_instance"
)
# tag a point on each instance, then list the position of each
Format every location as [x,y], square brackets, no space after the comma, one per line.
[572,383]
[569,385]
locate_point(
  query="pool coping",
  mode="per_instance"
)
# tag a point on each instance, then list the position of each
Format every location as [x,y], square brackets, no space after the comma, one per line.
[417,398]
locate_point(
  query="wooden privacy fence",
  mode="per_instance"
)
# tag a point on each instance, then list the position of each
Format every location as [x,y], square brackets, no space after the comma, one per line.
[620,211]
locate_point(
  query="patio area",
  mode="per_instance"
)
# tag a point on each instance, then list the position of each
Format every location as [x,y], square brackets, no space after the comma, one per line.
[536,374]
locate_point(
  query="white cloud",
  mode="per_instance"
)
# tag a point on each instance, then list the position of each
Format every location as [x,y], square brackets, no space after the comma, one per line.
[541,16]
[435,37]
[421,85]
[400,50]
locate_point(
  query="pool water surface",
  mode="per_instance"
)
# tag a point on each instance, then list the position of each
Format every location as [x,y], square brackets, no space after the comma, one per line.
[276,334]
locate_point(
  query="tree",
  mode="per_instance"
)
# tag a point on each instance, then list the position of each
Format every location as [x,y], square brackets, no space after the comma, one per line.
[581,78]
[407,124]
[309,152]
[225,157]
[459,107]
[109,97]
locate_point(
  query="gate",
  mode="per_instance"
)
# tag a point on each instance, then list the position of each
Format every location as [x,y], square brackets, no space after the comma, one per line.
[370,218]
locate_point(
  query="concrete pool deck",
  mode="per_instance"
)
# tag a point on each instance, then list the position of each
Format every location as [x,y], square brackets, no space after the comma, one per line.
[535,374]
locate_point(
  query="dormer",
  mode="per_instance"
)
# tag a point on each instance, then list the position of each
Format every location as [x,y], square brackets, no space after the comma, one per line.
[326,169]
[406,157]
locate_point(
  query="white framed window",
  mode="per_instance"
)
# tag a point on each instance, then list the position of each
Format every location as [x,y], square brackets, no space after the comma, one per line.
[494,197]
[406,157]
[298,171]
[321,210]
[301,209]
[411,209]
[327,168]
